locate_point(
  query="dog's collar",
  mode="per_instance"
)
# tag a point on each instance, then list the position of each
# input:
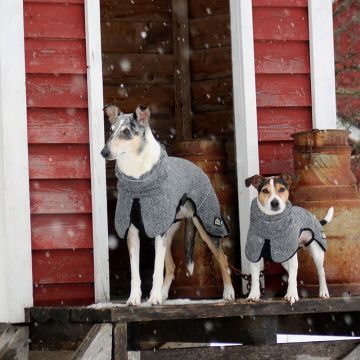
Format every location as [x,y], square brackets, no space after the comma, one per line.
[151,180]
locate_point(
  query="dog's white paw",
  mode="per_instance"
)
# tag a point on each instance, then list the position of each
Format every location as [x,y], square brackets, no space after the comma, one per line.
[155,298]
[164,294]
[291,296]
[229,293]
[253,296]
[134,299]
[324,293]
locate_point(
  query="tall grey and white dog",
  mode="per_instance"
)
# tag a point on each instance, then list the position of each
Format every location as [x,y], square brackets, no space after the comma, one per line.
[154,193]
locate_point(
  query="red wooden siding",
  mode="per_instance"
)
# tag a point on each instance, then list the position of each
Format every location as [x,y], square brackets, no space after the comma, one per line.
[283,88]
[59,164]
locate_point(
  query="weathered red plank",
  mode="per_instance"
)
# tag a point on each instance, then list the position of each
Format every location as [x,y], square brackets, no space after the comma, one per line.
[60,196]
[273,23]
[159,97]
[62,266]
[281,3]
[56,1]
[55,56]
[64,294]
[59,161]
[54,20]
[277,124]
[283,90]
[280,57]
[56,91]
[276,157]
[66,231]
[46,126]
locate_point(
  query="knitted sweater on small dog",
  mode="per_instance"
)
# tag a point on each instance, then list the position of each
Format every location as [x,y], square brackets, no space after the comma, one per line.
[280,232]
[162,191]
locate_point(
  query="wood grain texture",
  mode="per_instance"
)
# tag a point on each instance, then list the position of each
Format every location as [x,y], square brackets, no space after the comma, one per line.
[57,126]
[64,294]
[63,266]
[59,161]
[273,23]
[283,90]
[211,31]
[201,8]
[276,157]
[124,10]
[276,57]
[60,196]
[133,37]
[54,20]
[211,64]
[55,56]
[219,124]
[281,3]
[96,345]
[56,91]
[137,68]
[66,231]
[14,343]
[120,341]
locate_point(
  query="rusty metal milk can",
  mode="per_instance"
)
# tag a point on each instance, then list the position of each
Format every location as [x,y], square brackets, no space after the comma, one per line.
[322,161]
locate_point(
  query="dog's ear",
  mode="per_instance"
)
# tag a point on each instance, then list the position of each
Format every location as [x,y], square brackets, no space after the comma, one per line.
[290,178]
[112,112]
[143,114]
[254,180]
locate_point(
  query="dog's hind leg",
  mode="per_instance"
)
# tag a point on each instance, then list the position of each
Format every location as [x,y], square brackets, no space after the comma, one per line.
[169,262]
[318,255]
[229,293]
[133,242]
[158,276]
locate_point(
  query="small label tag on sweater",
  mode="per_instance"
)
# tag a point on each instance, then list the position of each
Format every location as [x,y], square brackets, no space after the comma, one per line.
[218,221]
[323,235]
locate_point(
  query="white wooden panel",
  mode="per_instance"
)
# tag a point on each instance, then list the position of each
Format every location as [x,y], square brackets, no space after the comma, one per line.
[97,163]
[15,233]
[322,64]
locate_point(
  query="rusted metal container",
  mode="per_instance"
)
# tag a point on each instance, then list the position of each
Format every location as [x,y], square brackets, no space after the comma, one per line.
[206,281]
[322,161]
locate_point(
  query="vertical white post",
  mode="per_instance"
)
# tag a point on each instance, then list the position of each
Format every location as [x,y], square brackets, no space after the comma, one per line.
[16,291]
[244,90]
[97,163]
[322,64]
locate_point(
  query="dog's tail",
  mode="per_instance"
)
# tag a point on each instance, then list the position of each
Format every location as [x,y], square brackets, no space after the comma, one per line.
[190,232]
[328,217]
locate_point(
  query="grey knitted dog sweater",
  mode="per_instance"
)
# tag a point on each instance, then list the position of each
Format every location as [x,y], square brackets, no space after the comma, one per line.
[162,191]
[280,233]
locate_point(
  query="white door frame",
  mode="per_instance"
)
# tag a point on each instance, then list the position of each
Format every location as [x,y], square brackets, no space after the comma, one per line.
[16,290]
[97,163]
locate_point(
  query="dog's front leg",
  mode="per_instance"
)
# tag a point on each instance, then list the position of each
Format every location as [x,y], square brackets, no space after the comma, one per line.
[158,277]
[254,294]
[291,266]
[133,242]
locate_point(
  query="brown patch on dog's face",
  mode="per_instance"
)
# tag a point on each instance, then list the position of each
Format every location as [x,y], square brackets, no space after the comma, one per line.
[281,189]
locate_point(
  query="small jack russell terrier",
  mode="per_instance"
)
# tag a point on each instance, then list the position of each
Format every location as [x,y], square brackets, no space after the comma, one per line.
[278,230]
[154,193]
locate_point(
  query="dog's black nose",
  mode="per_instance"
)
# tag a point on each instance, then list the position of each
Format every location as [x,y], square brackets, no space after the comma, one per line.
[275,204]
[105,152]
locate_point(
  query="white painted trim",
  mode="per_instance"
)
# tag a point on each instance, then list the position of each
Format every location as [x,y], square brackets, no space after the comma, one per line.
[245,116]
[97,163]
[322,64]
[16,290]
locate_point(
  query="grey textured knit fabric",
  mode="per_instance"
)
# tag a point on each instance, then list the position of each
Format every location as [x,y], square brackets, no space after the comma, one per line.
[161,191]
[282,230]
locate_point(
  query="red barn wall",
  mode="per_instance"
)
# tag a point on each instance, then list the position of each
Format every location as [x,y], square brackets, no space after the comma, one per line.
[58,136]
[283,87]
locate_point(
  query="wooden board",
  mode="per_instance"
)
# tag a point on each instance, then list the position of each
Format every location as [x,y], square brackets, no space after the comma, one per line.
[273,23]
[59,161]
[65,231]
[201,8]
[281,3]
[134,37]
[219,124]
[55,57]
[14,343]
[283,90]
[60,196]
[54,20]
[57,125]
[64,294]
[63,266]
[56,91]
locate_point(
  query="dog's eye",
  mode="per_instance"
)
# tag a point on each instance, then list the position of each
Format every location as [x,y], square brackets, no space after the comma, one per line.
[282,189]
[265,191]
